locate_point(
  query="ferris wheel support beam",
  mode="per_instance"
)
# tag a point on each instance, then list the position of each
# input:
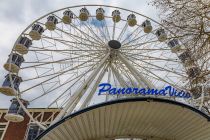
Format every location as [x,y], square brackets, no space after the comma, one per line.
[139,77]
[119,77]
[90,95]
[79,92]
[202,98]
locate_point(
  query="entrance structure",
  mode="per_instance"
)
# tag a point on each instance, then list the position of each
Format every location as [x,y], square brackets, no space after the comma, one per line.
[142,118]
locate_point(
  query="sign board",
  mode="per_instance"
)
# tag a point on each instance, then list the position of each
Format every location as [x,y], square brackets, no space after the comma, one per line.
[106,88]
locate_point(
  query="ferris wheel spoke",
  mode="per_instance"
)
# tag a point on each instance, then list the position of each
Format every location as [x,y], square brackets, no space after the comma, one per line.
[163,68]
[58,72]
[147,51]
[162,79]
[138,56]
[132,33]
[76,37]
[137,38]
[118,76]
[127,74]
[134,46]
[93,33]
[139,77]
[94,88]
[86,35]
[79,37]
[63,50]
[77,78]
[122,31]
[56,76]
[103,31]
[91,29]
[70,104]
[113,32]
[69,52]
[63,60]
[106,28]
[71,42]
[102,43]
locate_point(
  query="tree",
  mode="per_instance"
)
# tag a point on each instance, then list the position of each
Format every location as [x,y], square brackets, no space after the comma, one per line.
[189,20]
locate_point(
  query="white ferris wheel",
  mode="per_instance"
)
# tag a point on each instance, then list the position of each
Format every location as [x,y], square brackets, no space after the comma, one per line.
[60,59]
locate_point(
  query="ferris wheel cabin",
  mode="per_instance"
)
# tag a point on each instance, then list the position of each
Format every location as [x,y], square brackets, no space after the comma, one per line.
[174,45]
[67,17]
[36,32]
[100,14]
[23,45]
[51,23]
[131,19]
[7,88]
[84,14]
[15,112]
[13,63]
[116,16]
[161,35]
[147,26]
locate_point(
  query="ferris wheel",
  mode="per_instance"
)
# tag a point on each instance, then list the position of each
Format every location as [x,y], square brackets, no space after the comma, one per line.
[59,60]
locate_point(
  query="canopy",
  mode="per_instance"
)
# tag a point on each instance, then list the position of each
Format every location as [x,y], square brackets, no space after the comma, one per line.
[146,118]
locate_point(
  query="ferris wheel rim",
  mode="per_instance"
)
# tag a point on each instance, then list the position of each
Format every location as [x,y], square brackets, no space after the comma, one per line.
[68,8]
[91,5]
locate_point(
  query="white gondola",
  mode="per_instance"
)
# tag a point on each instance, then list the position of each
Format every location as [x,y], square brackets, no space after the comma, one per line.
[15,112]
[100,14]
[147,26]
[196,91]
[116,16]
[193,71]
[51,23]
[185,58]
[6,87]
[131,19]
[207,27]
[22,45]
[67,17]
[208,89]
[161,35]
[174,45]
[84,14]
[15,63]
[208,15]
[36,32]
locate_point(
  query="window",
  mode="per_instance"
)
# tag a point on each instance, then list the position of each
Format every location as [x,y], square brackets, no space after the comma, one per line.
[2,129]
[33,131]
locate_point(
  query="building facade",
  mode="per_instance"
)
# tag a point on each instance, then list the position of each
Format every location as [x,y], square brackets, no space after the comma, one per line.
[25,130]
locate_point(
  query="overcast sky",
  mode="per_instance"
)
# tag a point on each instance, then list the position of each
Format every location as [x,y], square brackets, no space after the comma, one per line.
[16,15]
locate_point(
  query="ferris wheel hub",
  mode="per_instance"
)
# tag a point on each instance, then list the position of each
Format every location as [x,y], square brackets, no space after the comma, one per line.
[114,44]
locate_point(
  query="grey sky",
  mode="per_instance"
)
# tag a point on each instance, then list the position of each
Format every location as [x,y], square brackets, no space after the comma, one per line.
[16,15]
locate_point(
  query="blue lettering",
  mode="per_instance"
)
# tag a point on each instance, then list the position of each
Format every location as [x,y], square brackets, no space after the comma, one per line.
[121,91]
[162,92]
[105,87]
[113,91]
[129,90]
[152,91]
[135,90]
[142,91]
